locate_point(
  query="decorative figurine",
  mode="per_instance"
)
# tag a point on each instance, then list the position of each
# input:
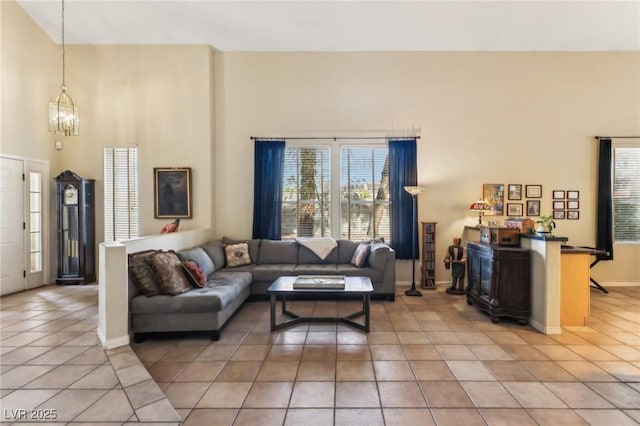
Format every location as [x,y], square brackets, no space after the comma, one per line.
[455,260]
[170,227]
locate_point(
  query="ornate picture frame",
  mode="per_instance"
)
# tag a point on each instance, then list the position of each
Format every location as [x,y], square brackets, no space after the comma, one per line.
[172,192]
[533,191]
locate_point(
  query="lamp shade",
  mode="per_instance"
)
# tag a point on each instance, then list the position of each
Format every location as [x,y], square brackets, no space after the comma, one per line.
[479,205]
[413,190]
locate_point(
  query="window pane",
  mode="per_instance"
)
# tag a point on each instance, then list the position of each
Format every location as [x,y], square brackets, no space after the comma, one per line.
[364,183]
[306,192]
[626,194]
[35,221]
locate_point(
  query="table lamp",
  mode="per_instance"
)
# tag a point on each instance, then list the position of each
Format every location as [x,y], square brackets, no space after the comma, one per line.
[479,206]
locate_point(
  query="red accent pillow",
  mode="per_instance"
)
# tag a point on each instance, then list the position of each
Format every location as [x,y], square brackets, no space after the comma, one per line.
[195,273]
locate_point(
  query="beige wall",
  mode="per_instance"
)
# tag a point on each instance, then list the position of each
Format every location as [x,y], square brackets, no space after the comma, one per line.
[526,118]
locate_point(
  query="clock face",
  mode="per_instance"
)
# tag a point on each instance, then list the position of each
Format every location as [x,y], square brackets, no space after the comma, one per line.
[70,195]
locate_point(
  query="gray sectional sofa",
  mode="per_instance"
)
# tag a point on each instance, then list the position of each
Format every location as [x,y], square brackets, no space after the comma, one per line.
[209,307]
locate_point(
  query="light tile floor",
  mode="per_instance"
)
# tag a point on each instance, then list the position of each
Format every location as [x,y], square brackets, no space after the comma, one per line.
[430,360]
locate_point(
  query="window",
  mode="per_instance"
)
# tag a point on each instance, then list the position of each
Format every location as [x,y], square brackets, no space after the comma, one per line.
[364,192]
[120,193]
[306,192]
[626,193]
[35,221]
[339,191]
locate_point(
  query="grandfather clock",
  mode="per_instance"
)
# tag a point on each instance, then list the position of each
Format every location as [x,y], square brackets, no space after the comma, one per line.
[75,205]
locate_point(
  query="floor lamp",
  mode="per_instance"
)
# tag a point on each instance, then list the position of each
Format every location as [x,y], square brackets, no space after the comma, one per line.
[414,191]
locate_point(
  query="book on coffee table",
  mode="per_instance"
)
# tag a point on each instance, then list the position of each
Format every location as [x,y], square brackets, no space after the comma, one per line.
[319,281]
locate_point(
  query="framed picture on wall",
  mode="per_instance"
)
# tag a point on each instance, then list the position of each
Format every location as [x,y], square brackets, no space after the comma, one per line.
[493,193]
[514,191]
[573,205]
[533,207]
[172,192]
[573,195]
[558,195]
[558,205]
[533,191]
[558,214]
[514,209]
[573,214]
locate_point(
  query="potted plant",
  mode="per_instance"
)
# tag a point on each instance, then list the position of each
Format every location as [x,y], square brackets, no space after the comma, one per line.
[546,224]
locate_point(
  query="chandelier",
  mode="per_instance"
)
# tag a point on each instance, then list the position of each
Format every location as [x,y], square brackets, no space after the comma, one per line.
[63,113]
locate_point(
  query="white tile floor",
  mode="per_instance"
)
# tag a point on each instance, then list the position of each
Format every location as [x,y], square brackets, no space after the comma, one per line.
[430,360]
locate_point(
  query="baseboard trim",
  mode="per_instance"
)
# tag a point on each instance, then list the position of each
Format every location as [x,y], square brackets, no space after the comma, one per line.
[545,330]
[112,343]
[620,283]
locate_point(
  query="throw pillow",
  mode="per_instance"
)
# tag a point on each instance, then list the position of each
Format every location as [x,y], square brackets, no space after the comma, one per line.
[199,256]
[360,255]
[237,254]
[194,273]
[167,269]
[141,274]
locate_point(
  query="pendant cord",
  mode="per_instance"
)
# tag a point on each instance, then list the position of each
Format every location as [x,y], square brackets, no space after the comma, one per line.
[63,67]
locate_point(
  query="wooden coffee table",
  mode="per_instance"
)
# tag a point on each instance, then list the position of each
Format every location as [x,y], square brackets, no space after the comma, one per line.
[354,286]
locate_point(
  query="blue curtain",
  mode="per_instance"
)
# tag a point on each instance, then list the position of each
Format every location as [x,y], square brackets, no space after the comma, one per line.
[604,223]
[267,189]
[402,172]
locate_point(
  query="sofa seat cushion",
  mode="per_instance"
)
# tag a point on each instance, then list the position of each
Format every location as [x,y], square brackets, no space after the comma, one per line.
[315,269]
[226,288]
[271,272]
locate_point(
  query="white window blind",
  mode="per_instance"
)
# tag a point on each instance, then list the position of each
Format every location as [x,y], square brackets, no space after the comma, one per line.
[626,193]
[121,216]
[306,195]
[358,206]
[364,198]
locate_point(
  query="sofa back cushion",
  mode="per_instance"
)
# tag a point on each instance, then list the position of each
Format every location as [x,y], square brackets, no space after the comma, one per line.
[215,250]
[199,256]
[308,257]
[346,249]
[278,252]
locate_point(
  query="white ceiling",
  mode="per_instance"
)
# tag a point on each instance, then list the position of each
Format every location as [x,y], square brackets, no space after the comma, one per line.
[302,25]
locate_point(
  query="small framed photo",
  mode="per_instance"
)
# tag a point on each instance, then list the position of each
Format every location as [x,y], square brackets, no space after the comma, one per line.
[172,192]
[558,214]
[573,214]
[515,192]
[533,191]
[493,193]
[558,195]
[573,205]
[533,207]
[558,205]
[514,209]
[573,195]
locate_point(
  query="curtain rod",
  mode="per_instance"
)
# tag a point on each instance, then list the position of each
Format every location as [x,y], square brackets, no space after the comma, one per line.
[335,138]
[617,137]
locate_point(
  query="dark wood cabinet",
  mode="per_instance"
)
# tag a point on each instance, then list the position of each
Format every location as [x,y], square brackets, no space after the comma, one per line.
[75,207]
[499,280]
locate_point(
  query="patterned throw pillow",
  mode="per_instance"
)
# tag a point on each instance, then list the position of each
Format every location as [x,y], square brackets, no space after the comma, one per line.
[167,269]
[360,255]
[237,254]
[194,272]
[141,274]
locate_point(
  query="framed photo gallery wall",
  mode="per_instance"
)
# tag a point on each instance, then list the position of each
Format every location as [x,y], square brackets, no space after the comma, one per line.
[566,204]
